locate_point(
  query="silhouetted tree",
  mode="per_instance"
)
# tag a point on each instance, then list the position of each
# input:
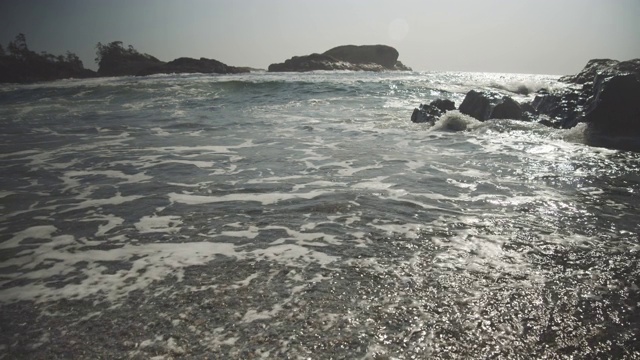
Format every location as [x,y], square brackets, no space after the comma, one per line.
[18,47]
[1,50]
[19,64]
[73,59]
[115,49]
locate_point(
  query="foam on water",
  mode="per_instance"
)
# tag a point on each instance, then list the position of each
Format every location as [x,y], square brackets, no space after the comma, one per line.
[455,121]
[287,215]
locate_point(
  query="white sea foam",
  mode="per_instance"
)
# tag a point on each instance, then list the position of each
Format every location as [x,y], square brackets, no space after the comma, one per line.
[149,263]
[455,121]
[118,199]
[338,210]
[265,199]
[162,224]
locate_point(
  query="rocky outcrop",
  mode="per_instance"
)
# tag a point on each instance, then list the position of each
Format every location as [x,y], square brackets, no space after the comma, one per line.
[615,107]
[311,63]
[431,112]
[607,99]
[21,65]
[559,110]
[14,70]
[190,65]
[481,105]
[603,67]
[605,95]
[116,60]
[348,57]
[383,55]
[485,105]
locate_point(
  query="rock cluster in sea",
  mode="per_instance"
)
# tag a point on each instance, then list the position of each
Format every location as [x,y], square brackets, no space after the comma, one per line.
[347,57]
[605,95]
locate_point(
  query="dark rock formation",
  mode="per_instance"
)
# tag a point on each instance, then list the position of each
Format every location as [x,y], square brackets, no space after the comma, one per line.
[606,67]
[566,108]
[443,105]
[560,110]
[485,105]
[479,104]
[615,108]
[313,62]
[348,57]
[189,65]
[507,109]
[383,55]
[431,112]
[28,70]
[21,65]
[608,100]
[115,60]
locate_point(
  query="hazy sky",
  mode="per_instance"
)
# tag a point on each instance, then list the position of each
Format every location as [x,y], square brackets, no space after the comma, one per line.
[527,36]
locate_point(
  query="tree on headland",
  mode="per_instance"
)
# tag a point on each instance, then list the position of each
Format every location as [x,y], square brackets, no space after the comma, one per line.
[114,59]
[18,47]
[115,49]
[19,64]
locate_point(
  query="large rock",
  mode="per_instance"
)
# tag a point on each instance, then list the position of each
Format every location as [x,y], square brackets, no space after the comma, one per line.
[313,62]
[348,57]
[485,105]
[615,109]
[570,106]
[21,65]
[383,55]
[28,70]
[127,64]
[507,109]
[431,112]
[190,65]
[560,110]
[606,67]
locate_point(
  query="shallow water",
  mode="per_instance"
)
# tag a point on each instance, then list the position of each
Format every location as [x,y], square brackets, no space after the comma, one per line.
[305,216]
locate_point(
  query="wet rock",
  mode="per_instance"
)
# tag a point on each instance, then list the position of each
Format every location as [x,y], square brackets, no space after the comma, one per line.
[507,109]
[431,112]
[562,110]
[443,105]
[485,105]
[478,104]
[528,112]
[615,107]
[606,67]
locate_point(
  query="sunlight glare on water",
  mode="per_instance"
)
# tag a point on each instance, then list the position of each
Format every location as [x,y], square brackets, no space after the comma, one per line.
[304,215]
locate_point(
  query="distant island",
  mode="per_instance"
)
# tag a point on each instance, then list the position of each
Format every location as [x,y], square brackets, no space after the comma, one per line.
[346,57]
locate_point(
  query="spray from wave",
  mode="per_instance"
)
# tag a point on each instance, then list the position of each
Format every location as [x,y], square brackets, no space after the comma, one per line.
[528,87]
[455,121]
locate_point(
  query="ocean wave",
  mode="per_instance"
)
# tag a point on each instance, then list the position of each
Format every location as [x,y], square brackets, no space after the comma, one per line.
[455,121]
[527,87]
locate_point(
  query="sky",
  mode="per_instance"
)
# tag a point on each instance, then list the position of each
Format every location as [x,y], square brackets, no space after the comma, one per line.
[517,36]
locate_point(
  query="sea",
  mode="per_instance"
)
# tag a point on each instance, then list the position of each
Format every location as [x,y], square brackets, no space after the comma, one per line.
[304,216]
